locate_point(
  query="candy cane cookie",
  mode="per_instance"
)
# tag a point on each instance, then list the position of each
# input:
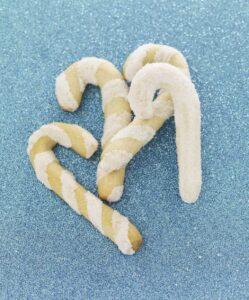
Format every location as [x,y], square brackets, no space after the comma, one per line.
[187,119]
[129,140]
[124,146]
[71,84]
[49,171]
[153,53]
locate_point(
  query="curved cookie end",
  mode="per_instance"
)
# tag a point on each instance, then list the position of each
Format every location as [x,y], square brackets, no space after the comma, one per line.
[135,237]
[63,94]
[116,194]
[190,193]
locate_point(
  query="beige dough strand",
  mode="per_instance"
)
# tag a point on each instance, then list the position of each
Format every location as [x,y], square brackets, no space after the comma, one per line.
[49,171]
[71,83]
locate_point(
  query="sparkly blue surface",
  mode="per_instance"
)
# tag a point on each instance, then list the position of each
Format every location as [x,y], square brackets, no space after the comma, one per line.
[190,251]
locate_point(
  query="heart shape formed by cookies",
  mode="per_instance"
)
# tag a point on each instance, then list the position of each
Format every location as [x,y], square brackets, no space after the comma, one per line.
[122,138]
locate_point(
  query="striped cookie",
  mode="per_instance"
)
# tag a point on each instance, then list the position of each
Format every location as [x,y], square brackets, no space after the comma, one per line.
[71,83]
[49,171]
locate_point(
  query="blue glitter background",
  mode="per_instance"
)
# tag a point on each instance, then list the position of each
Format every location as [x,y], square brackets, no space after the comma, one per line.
[196,251]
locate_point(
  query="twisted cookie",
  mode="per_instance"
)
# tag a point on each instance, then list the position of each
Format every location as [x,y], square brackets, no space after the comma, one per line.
[129,140]
[71,84]
[48,170]
[151,115]
[124,146]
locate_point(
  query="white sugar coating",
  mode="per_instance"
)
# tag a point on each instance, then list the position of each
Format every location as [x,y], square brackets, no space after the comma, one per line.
[52,131]
[163,106]
[68,186]
[41,162]
[94,210]
[115,160]
[135,62]
[113,88]
[116,194]
[141,133]
[120,225]
[64,97]
[163,53]
[87,68]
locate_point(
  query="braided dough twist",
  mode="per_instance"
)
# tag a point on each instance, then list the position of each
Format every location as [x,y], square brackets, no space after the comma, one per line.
[48,170]
[129,140]
[71,84]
